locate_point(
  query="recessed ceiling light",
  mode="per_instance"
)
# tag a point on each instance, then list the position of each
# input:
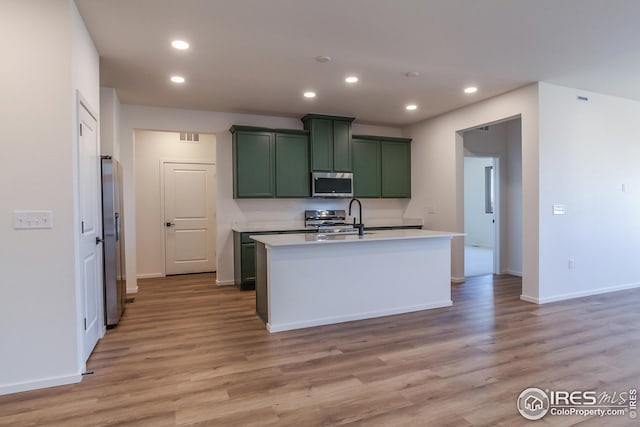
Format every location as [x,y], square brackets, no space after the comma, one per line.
[470,89]
[412,74]
[177,79]
[411,107]
[351,79]
[309,94]
[323,58]
[180,44]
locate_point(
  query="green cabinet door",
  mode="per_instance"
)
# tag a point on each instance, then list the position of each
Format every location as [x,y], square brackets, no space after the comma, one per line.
[341,146]
[292,165]
[396,169]
[248,265]
[322,145]
[330,141]
[254,173]
[366,168]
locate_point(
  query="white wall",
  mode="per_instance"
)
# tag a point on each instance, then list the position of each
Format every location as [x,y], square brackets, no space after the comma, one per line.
[39,323]
[478,224]
[151,148]
[109,122]
[588,151]
[437,172]
[229,210]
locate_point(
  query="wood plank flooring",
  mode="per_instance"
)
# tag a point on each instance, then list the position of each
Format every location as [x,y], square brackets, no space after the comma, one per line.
[189,353]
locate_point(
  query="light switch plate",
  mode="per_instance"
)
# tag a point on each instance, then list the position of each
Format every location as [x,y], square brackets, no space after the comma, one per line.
[32,219]
[559,210]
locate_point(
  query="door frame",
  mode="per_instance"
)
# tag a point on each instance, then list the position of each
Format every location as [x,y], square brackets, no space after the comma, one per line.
[83,103]
[162,226]
[496,205]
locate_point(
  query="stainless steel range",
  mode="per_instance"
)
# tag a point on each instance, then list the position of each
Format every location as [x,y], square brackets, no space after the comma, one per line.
[329,222]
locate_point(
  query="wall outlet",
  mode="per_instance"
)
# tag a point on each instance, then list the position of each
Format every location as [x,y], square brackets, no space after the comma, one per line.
[431,211]
[32,219]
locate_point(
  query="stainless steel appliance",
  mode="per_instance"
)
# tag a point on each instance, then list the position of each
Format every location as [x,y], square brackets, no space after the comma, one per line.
[329,222]
[331,184]
[115,289]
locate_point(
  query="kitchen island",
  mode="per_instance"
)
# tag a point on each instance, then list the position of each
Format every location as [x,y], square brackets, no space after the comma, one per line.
[306,280]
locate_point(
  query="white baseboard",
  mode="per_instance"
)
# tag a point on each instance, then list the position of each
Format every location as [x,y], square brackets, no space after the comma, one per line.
[581,294]
[41,383]
[149,275]
[225,282]
[457,279]
[132,290]
[527,298]
[512,272]
[358,316]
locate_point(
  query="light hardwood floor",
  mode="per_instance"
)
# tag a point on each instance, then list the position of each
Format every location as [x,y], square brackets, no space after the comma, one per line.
[190,353]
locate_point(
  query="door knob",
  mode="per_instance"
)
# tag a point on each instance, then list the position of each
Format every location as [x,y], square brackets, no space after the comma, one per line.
[169,224]
[99,240]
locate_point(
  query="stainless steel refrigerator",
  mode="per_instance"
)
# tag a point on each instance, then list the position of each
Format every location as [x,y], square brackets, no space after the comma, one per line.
[115,288]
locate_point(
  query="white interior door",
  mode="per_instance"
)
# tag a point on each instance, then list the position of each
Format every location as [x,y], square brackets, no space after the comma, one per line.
[189,218]
[90,230]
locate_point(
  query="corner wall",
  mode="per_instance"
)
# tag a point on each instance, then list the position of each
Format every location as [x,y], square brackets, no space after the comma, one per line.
[39,323]
[588,152]
[437,172]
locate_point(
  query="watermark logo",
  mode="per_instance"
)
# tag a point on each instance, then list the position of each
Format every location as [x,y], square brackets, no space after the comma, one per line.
[533,403]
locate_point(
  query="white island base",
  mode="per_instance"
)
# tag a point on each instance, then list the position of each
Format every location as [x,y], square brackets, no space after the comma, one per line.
[303,280]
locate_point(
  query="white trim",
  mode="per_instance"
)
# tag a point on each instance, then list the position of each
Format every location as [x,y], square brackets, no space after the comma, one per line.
[527,298]
[582,294]
[149,275]
[225,282]
[133,290]
[457,279]
[41,383]
[358,316]
[512,273]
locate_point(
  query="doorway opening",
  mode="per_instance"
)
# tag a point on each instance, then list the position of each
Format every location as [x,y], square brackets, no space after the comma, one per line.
[493,198]
[175,179]
[480,195]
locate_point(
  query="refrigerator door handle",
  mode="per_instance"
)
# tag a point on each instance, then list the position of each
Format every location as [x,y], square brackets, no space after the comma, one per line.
[117,226]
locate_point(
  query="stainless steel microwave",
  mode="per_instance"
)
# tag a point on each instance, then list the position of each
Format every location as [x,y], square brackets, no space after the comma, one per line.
[331,184]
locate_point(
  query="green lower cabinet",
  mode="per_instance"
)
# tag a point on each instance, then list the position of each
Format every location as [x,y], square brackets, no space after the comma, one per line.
[366,168]
[244,257]
[381,166]
[292,165]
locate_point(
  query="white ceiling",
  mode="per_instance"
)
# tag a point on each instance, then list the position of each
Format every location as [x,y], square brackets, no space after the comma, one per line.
[257,56]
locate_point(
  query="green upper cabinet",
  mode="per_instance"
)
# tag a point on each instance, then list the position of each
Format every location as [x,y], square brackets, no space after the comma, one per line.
[330,141]
[366,168]
[270,162]
[253,162]
[396,168]
[292,165]
[381,166]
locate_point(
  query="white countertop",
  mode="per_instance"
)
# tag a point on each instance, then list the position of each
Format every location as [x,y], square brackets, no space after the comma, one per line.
[315,239]
[299,225]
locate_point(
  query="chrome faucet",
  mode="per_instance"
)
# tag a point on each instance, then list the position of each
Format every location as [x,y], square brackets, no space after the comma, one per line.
[360,226]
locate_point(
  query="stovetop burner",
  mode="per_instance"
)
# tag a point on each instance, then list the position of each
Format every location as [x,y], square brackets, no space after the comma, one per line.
[328,222]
